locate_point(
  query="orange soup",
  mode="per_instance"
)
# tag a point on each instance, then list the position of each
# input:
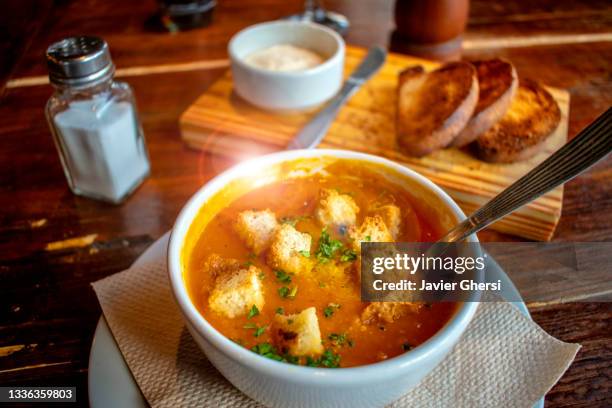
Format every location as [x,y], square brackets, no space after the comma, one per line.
[277,270]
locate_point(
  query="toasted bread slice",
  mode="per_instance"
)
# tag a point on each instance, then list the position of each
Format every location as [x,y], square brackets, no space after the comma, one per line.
[433,107]
[497,83]
[520,134]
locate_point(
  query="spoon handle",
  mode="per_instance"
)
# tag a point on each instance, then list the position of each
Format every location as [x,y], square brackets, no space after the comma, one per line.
[588,147]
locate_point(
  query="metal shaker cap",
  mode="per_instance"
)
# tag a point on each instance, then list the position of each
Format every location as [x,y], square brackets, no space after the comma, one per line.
[77,61]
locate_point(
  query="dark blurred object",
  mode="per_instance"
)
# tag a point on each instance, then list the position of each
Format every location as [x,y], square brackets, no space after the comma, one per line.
[315,13]
[181,15]
[430,28]
[20,20]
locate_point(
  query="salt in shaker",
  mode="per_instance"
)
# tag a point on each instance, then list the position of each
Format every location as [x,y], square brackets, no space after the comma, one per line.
[94,121]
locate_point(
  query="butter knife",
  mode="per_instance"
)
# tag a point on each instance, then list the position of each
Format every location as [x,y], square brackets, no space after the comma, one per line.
[311,134]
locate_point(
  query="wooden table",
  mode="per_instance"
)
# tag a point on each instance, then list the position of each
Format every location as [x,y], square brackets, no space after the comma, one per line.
[48,310]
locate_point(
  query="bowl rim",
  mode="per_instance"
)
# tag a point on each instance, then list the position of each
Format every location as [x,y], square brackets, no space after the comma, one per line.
[445,337]
[330,62]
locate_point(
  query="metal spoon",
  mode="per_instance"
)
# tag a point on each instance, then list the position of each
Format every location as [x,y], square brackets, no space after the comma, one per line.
[591,145]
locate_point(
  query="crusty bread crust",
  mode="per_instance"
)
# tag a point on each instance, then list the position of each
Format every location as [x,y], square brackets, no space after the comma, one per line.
[520,134]
[497,83]
[434,107]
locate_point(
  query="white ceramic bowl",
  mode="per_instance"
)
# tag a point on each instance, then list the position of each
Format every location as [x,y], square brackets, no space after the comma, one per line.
[283,385]
[287,90]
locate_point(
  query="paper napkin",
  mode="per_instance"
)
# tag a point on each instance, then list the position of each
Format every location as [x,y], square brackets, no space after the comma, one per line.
[503,360]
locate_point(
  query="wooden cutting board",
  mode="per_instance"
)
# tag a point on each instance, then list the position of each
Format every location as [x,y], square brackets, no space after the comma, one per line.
[222,123]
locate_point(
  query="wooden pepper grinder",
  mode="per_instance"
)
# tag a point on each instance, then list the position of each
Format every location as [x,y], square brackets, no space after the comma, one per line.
[430,29]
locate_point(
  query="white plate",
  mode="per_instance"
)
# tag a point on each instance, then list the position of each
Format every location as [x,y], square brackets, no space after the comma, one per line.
[111,383]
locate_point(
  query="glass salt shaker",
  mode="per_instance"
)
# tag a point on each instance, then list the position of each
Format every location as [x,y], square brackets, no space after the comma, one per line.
[94,121]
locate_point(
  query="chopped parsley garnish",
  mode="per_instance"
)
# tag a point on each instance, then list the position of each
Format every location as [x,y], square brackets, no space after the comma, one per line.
[286,292]
[250,258]
[268,350]
[283,291]
[340,339]
[253,312]
[262,275]
[327,247]
[289,220]
[348,255]
[330,309]
[280,310]
[328,359]
[305,254]
[368,238]
[258,330]
[293,220]
[282,276]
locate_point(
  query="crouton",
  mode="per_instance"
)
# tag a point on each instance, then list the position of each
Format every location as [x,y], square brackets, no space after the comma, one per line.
[298,334]
[373,229]
[392,217]
[289,250]
[235,292]
[387,312]
[256,228]
[336,209]
[216,266]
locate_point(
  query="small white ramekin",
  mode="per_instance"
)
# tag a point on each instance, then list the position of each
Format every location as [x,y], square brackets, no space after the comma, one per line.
[287,90]
[277,384]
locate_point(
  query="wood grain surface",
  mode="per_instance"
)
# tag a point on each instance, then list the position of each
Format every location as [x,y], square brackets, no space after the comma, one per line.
[222,123]
[47,309]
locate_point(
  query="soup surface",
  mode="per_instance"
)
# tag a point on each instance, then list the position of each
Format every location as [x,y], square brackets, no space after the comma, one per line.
[277,282]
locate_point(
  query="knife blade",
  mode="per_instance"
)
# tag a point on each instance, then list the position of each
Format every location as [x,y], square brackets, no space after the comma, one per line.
[314,131]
